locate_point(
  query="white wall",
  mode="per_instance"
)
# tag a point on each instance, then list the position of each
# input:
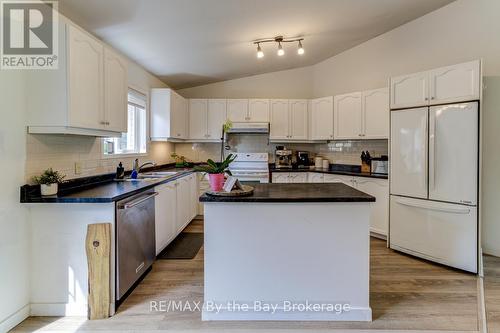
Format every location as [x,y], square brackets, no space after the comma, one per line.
[293,83]
[491,163]
[14,234]
[461,31]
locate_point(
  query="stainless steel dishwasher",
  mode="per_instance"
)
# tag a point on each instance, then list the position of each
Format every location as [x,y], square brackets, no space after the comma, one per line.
[135,239]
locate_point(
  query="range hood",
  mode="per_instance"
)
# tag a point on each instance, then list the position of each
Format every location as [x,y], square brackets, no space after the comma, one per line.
[255,128]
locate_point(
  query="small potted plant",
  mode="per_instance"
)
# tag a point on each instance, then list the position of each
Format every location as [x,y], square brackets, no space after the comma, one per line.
[180,161]
[49,181]
[216,171]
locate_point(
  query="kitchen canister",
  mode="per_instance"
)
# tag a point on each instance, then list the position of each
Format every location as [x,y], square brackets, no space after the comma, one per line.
[326,164]
[318,162]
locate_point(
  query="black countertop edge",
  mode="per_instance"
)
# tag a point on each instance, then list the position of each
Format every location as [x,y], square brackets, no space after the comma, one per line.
[337,169]
[99,189]
[289,193]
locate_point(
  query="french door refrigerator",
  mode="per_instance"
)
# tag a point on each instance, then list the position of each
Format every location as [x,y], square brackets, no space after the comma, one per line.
[434,183]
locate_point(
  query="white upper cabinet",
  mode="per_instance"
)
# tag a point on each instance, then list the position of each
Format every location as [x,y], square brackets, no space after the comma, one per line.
[280,120]
[455,83]
[86,68]
[198,118]
[87,95]
[115,91]
[206,117]
[376,114]
[289,120]
[216,118]
[322,118]
[410,90]
[169,115]
[237,110]
[348,116]
[258,111]
[298,119]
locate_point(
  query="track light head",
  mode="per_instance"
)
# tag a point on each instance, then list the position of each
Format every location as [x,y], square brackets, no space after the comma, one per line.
[280,49]
[260,53]
[300,50]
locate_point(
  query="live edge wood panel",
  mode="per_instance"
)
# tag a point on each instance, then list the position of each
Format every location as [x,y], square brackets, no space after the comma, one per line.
[98,249]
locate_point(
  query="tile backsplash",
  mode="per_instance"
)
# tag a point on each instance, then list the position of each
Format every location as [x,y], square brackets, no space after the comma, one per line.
[62,152]
[341,152]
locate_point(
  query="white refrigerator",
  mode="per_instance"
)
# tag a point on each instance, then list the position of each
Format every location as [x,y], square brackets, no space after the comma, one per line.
[434,183]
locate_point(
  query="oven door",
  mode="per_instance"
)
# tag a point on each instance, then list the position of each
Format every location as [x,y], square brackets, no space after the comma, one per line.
[251,176]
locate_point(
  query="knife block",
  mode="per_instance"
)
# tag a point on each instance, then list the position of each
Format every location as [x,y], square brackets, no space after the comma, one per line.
[365,167]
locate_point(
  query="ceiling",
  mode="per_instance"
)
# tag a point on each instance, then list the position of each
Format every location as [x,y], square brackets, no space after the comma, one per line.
[187,43]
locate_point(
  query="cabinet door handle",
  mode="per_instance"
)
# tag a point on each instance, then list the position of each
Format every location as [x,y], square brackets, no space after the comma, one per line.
[102,123]
[426,99]
[432,97]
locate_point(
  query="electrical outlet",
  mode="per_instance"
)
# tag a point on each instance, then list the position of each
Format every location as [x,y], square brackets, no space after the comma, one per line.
[78,168]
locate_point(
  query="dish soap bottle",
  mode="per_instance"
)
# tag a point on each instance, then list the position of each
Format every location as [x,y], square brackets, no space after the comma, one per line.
[120,171]
[135,169]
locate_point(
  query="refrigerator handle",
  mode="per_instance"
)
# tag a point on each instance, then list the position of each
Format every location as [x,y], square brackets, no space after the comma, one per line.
[461,210]
[426,157]
[432,150]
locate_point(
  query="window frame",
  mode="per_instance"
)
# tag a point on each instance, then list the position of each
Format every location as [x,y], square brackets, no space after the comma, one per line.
[148,137]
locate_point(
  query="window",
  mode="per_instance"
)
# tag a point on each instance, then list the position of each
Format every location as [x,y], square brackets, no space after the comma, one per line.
[135,140]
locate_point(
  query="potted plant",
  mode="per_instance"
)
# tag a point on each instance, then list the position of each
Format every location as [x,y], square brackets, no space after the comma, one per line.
[49,181]
[180,161]
[216,171]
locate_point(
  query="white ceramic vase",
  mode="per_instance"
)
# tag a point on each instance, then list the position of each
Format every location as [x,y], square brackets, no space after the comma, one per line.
[48,189]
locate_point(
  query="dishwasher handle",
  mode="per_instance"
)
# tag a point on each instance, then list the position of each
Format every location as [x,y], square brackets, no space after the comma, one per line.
[138,201]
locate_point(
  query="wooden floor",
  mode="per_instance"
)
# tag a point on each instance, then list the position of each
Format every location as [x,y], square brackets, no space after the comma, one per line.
[492,292]
[406,294]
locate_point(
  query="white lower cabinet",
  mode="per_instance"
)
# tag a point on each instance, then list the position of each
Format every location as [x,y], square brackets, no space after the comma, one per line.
[379,188]
[281,177]
[289,177]
[165,215]
[175,206]
[314,177]
[348,180]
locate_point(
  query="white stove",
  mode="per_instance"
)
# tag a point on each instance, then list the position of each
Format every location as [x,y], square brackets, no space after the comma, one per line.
[251,167]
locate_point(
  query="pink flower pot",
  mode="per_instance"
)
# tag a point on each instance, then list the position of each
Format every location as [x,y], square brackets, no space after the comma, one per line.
[216,181]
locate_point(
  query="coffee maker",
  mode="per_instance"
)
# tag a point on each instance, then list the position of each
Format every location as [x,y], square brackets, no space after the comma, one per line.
[283,158]
[302,159]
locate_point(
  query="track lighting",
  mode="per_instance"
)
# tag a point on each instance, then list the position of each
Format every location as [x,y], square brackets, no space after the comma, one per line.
[301,49]
[279,40]
[260,54]
[280,49]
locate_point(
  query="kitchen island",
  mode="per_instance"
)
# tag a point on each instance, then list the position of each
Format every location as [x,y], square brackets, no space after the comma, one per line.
[288,252]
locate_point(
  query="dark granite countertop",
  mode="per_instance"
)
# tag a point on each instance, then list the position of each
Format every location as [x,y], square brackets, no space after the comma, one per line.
[335,169]
[317,192]
[99,189]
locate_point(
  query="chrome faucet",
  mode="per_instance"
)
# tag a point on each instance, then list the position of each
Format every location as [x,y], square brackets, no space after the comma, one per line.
[152,163]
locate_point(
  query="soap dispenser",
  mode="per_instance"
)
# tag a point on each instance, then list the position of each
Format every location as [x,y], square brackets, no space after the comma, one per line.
[120,171]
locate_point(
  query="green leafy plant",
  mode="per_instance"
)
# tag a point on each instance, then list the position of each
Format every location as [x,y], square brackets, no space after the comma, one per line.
[216,167]
[227,125]
[180,161]
[48,177]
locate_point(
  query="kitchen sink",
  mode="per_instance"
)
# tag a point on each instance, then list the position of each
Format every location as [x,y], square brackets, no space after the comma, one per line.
[140,179]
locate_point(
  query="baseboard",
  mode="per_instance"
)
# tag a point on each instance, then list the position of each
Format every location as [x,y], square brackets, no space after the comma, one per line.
[15,319]
[355,314]
[58,309]
[378,235]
